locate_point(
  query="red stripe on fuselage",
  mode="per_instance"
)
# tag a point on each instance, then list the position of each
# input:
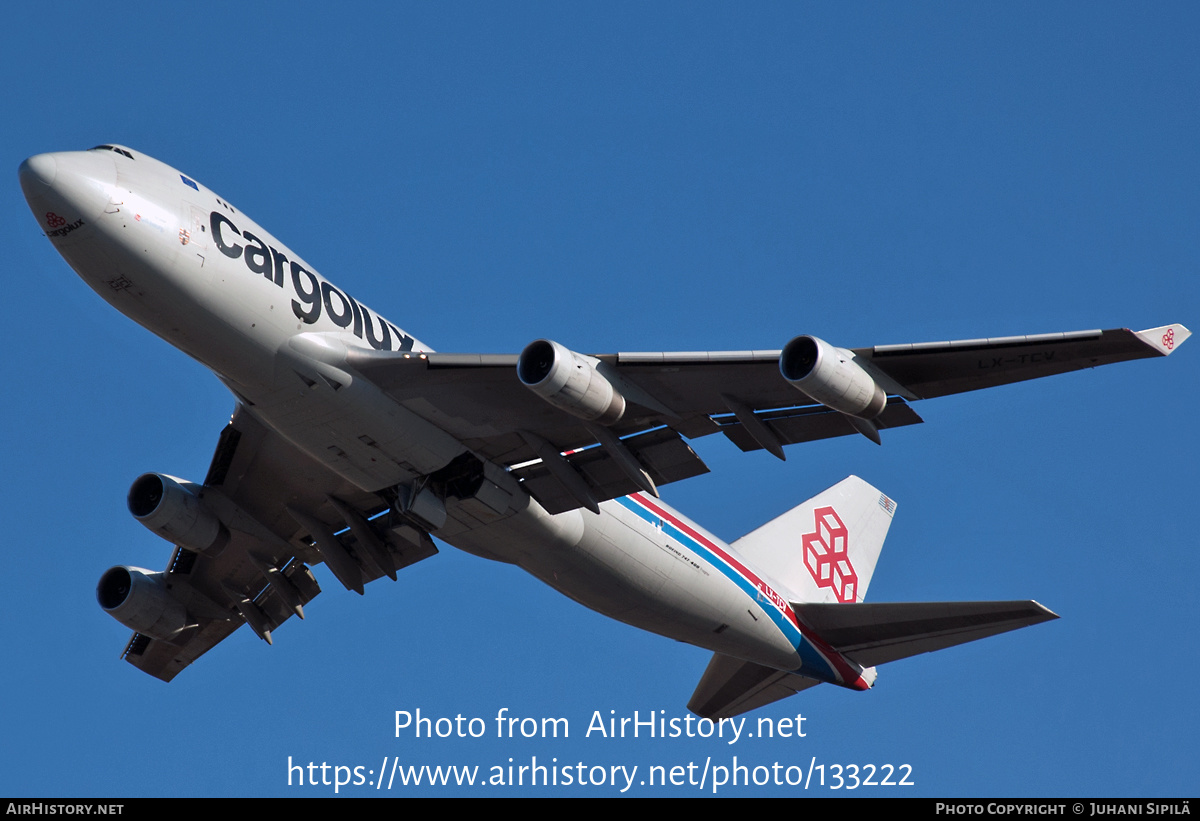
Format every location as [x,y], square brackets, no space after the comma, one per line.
[849,675]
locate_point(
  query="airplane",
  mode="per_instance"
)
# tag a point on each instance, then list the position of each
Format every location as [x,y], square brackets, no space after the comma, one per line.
[354,444]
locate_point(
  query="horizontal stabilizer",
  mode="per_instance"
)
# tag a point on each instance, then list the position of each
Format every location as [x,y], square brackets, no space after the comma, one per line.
[731,686]
[872,634]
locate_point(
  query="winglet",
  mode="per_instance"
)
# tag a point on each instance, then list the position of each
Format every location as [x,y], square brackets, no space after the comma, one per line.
[1165,339]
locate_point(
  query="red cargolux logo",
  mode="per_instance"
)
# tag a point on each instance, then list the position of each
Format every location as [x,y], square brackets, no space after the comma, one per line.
[1169,339]
[54,220]
[825,555]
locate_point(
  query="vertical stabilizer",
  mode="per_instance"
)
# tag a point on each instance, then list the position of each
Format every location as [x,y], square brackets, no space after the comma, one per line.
[824,550]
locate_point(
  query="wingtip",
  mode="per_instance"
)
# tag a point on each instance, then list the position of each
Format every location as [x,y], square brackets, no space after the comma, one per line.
[1164,339]
[1046,612]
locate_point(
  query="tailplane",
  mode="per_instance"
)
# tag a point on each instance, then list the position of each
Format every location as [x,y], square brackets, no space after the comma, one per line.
[887,631]
[730,687]
[869,634]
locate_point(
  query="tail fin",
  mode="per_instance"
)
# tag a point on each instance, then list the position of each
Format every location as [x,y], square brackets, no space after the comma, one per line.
[824,550]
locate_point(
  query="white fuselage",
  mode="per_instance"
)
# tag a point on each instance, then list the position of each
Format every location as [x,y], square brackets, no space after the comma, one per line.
[182,262]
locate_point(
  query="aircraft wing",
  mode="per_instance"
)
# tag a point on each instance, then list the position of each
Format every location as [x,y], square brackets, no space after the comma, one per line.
[259,574]
[930,369]
[667,397]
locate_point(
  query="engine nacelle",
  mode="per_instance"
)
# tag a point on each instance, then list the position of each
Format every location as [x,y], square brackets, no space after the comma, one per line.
[169,508]
[570,381]
[831,376]
[141,601]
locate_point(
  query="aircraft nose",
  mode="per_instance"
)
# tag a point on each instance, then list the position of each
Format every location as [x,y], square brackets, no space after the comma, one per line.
[38,170]
[68,187]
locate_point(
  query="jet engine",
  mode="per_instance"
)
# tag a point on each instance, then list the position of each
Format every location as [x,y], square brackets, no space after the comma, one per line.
[570,381]
[141,601]
[831,376]
[170,508]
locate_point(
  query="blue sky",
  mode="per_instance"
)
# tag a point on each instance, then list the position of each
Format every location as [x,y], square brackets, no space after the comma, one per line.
[633,176]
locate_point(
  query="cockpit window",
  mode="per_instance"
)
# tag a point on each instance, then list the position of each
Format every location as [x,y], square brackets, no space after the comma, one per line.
[120,151]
